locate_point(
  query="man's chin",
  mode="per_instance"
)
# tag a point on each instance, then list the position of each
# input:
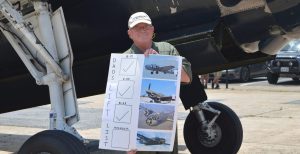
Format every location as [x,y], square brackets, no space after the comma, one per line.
[145,41]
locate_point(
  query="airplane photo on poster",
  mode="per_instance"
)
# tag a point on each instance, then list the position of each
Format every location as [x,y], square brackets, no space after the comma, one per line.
[159,141]
[158,91]
[163,67]
[156,116]
[151,141]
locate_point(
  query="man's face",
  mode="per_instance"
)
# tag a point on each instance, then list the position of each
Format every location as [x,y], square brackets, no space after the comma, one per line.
[141,33]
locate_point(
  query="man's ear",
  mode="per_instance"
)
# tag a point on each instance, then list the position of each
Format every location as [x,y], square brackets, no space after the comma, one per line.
[129,33]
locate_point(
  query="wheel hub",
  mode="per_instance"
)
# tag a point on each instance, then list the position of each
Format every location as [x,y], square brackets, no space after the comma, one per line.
[210,137]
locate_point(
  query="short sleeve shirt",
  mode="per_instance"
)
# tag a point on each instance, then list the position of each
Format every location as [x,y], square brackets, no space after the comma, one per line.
[164,48]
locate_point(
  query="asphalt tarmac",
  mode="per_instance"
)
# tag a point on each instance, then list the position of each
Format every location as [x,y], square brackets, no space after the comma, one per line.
[270,115]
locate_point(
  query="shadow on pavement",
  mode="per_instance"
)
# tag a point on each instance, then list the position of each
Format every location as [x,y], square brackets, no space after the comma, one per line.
[12,142]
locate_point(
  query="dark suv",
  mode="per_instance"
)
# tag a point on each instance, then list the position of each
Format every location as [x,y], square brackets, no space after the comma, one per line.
[286,63]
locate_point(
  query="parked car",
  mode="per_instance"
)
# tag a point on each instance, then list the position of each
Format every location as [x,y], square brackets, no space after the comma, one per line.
[245,73]
[286,63]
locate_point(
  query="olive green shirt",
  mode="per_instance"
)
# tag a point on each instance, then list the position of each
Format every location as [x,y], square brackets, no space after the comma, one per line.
[164,48]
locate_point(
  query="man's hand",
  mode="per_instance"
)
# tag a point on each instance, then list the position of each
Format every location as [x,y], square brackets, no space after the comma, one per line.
[150,51]
[133,151]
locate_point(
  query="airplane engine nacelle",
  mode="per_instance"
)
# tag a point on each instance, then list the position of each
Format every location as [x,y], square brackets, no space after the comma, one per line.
[275,21]
[153,120]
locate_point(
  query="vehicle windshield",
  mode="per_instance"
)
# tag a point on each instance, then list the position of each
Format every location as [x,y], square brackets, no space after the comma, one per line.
[291,47]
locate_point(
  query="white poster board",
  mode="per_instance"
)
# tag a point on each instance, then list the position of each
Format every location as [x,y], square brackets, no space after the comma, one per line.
[140,105]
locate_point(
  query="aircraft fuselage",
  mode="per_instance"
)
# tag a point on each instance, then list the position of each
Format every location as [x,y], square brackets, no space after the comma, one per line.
[204,32]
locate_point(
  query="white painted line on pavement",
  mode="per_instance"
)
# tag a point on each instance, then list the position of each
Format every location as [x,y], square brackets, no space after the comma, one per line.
[266,81]
[251,83]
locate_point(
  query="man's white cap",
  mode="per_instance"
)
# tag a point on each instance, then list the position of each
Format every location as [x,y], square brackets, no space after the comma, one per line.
[139,17]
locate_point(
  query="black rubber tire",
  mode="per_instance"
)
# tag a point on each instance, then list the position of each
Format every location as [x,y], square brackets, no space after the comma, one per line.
[245,74]
[229,3]
[272,78]
[295,79]
[230,125]
[53,142]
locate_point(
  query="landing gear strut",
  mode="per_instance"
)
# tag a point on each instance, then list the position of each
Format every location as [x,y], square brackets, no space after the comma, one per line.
[41,41]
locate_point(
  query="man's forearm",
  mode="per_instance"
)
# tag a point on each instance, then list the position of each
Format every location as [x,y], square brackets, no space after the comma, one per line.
[184,77]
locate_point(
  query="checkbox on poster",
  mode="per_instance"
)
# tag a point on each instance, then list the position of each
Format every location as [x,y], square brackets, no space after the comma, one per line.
[128,66]
[125,89]
[120,139]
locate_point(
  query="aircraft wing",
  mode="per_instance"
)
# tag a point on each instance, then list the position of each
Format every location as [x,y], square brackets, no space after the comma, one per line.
[212,34]
[166,98]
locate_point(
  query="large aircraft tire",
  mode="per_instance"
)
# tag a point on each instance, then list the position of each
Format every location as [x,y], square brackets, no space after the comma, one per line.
[54,142]
[228,125]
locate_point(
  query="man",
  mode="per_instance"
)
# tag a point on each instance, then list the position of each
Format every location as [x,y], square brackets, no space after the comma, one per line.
[217,76]
[140,31]
[204,78]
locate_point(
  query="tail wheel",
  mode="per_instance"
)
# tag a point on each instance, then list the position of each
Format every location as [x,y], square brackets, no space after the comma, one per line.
[53,142]
[225,136]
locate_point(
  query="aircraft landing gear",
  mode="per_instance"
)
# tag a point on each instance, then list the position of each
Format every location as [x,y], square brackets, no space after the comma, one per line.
[49,59]
[213,128]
